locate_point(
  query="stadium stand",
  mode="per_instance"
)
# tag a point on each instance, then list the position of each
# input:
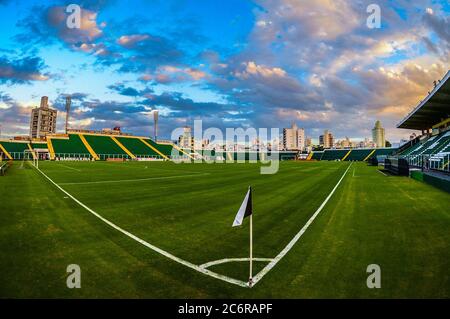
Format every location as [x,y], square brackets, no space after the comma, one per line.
[351,154]
[105,147]
[440,160]
[138,148]
[71,147]
[429,153]
[13,149]
[165,149]
[168,150]
[317,155]
[358,154]
[384,151]
[333,155]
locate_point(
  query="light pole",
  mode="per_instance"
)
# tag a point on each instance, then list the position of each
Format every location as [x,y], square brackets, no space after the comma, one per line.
[155,124]
[68,104]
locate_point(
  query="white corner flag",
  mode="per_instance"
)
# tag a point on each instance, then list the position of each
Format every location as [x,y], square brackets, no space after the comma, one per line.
[245,210]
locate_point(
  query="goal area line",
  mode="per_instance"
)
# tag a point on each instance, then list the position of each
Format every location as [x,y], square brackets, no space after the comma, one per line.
[203,268]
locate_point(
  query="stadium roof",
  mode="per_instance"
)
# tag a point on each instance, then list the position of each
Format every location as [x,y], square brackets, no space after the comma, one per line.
[432,110]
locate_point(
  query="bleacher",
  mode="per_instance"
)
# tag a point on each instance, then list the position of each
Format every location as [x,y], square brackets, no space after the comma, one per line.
[42,145]
[431,146]
[430,152]
[434,150]
[317,156]
[350,154]
[333,155]
[384,152]
[441,158]
[165,149]
[138,148]
[71,147]
[14,148]
[78,146]
[105,147]
[359,154]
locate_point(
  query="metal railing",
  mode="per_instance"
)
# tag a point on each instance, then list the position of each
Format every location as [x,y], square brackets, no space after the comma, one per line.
[437,162]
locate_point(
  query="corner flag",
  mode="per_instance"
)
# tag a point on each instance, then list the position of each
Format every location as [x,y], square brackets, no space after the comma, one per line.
[245,209]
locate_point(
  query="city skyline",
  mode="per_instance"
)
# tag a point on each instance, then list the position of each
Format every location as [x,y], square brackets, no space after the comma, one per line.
[231,64]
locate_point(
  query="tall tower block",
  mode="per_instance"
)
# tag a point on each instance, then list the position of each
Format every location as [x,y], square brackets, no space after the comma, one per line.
[68,104]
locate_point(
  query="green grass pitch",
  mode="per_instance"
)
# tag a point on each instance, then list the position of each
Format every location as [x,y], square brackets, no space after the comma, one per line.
[187,210]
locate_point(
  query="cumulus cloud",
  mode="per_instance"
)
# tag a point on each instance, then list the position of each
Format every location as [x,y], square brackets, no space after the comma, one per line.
[22,70]
[122,89]
[15,116]
[312,61]
[130,41]
[48,24]
[167,74]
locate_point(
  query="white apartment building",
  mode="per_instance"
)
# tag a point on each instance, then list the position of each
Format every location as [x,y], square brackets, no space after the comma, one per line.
[294,138]
[43,120]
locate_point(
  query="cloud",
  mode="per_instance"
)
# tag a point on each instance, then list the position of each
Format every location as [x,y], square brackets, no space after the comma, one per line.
[168,74]
[252,69]
[121,89]
[46,25]
[130,41]
[441,27]
[315,62]
[146,52]
[22,70]
[15,116]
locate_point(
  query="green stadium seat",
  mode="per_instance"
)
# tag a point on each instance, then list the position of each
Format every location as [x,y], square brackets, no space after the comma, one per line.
[333,155]
[358,154]
[137,147]
[15,149]
[71,147]
[105,147]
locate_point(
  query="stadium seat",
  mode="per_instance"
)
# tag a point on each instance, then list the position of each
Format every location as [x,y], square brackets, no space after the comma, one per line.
[69,148]
[358,154]
[333,155]
[105,147]
[137,147]
[317,156]
[15,149]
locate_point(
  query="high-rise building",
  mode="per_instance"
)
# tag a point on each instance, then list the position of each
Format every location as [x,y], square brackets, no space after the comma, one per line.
[378,135]
[43,120]
[308,141]
[294,138]
[326,140]
[186,140]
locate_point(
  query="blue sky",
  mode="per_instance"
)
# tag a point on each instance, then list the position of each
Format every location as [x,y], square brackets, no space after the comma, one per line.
[232,63]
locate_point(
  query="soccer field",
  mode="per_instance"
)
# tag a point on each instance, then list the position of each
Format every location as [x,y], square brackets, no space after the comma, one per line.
[148,229]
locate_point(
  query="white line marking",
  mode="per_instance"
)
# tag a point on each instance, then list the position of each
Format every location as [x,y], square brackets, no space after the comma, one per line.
[146,244]
[135,180]
[294,240]
[382,172]
[229,260]
[75,169]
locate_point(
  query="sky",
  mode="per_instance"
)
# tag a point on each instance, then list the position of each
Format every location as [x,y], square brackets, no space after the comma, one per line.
[233,63]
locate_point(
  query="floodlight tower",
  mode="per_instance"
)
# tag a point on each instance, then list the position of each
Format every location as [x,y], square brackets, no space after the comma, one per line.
[68,104]
[155,123]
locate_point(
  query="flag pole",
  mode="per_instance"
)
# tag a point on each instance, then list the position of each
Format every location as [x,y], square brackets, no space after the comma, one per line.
[250,281]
